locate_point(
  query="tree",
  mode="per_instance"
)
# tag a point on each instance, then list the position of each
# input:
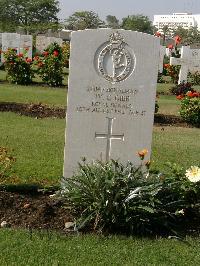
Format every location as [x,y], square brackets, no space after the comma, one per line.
[188,36]
[83,20]
[28,14]
[139,23]
[166,31]
[112,22]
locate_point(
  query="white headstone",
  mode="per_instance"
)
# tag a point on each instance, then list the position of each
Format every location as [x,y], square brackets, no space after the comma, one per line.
[54,39]
[42,42]
[26,45]
[189,61]
[10,40]
[162,55]
[111,96]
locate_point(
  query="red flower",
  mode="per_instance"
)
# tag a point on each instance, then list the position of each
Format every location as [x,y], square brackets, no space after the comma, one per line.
[20,55]
[166,65]
[179,97]
[189,94]
[177,39]
[157,34]
[56,53]
[28,60]
[195,94]
[170,46]
[45,53]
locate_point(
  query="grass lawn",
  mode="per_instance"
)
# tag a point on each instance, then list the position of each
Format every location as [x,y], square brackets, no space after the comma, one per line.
[33,94]
[168,104]
[19,248]
[38,145]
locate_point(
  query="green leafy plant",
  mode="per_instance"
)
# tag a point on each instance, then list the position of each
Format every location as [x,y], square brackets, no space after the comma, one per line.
[195,78]
[66,53]
[112,197]
[6,161]
[18,67]
[190,109]
[50,65]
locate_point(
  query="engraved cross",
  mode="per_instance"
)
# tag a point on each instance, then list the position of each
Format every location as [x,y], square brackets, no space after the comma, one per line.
[109,137]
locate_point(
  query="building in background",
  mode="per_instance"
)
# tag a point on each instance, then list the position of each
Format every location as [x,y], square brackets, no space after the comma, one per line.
[184,20]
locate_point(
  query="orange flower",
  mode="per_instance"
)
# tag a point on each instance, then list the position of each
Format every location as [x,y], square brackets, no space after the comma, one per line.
[142,153]
[189,94]
[179,97]
[177,39]
[195,94]
[170,46]
[166,65]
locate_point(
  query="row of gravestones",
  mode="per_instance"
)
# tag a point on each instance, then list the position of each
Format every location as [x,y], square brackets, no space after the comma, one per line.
[189,61]
[24,43]
[111,94]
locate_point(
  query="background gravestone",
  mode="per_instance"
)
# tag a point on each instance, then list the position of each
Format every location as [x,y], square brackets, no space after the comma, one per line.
[26,42]
[111,96]
[42,42]
[54,39]
[189,61]
[10,40]
[162,55]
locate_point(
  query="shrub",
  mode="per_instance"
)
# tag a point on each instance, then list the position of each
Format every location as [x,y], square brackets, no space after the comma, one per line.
[190,108]
[181,89]
[195,78]
[6,161]
[50,65]
[18,67]
[112,197]
[173,72]
[66,53]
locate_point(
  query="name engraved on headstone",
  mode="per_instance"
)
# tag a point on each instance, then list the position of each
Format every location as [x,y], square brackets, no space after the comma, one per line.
[111,101]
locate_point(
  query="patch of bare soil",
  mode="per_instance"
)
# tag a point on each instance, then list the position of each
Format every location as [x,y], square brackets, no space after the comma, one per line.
[32,110]
[33,210]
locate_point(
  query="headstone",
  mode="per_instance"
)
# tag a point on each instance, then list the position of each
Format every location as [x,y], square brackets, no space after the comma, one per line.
[111,96]
[42,42]
[54,39]
[189,61]
[26,45]
[10,40]
[162,55]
